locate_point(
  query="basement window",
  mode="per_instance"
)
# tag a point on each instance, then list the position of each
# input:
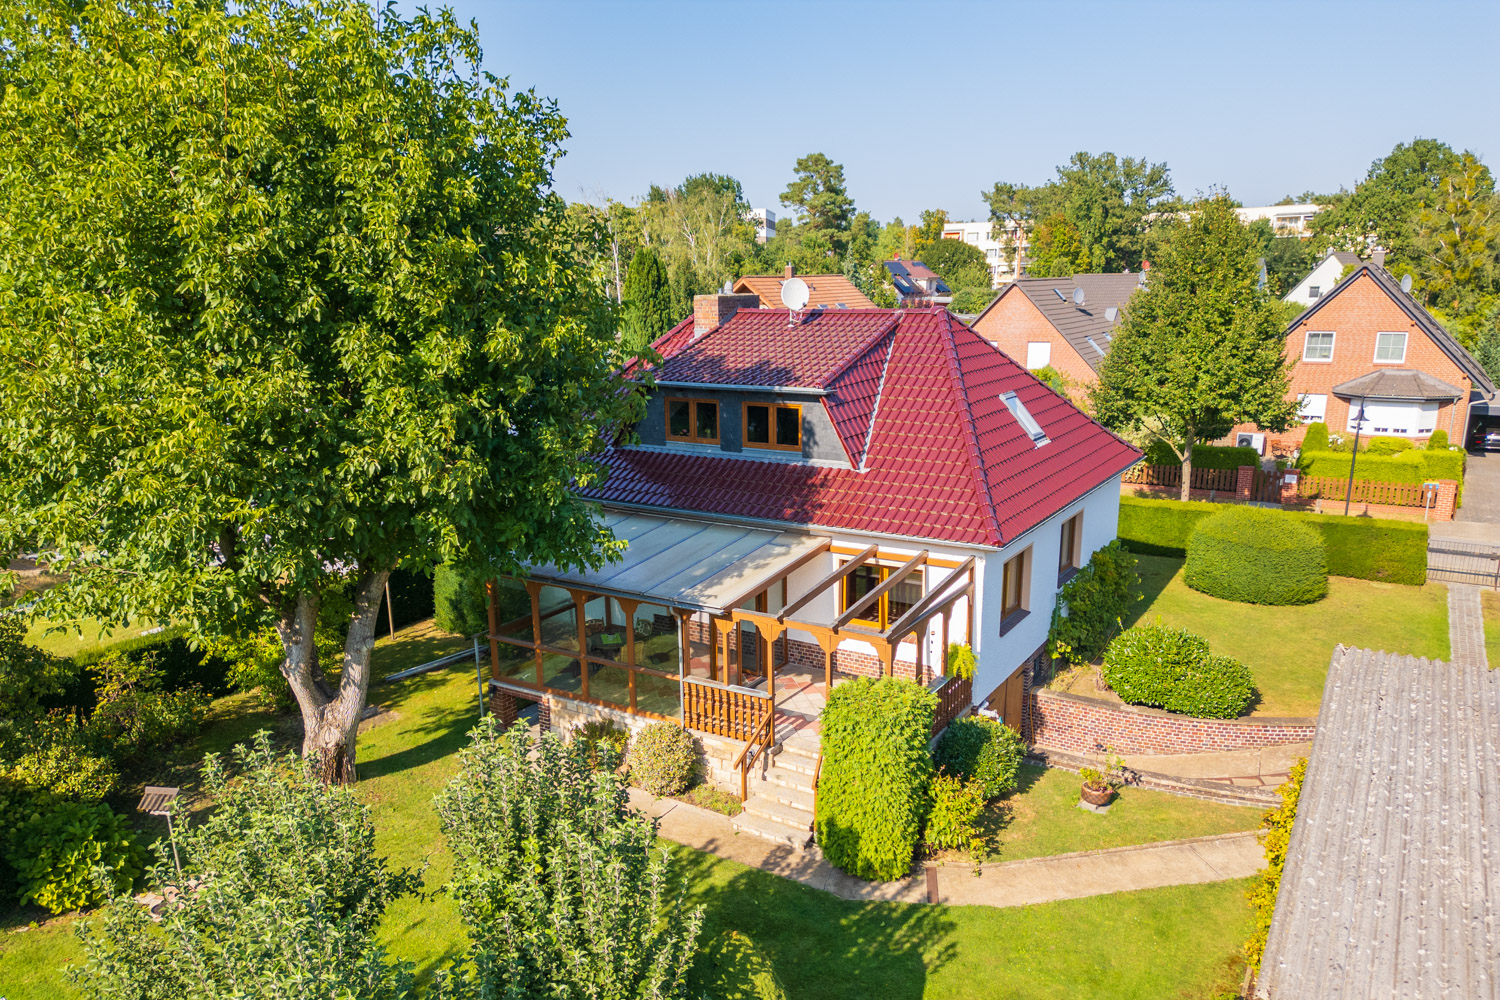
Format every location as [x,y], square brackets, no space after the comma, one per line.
[1024,418]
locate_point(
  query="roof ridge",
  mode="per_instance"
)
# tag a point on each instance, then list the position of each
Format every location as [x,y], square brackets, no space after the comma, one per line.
[976,460]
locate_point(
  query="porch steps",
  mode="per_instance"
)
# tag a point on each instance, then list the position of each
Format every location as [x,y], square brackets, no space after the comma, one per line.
[780,806]
[772,830]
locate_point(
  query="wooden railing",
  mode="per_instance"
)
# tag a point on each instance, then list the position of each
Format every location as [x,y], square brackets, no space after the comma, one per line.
[953,698]
[758,746]
[733,712]
[1395,494]
[1171,475]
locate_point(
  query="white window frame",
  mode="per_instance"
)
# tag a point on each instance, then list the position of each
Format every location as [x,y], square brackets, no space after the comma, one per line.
[1305,414]
[1405,341]
[1032,349]
[1306,343]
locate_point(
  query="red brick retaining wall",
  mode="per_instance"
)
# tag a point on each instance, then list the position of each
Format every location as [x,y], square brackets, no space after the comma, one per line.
[1087,726]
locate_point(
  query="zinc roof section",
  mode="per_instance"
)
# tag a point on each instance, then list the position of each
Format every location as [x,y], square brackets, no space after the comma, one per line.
[945,460]
[761,347]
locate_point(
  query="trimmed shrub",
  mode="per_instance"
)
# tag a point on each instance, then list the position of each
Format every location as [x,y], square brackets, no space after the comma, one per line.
[56,850]
[1173,669]
[1438,441]
[957,805]
[1316,438]
[663,759]
[181,666]
[1411,466]
[458,603]
[983,750]
[1256,556]
[1364,548]
[1205,456]
[1276,835]
[872,795]
[1389,445]
[1095,601]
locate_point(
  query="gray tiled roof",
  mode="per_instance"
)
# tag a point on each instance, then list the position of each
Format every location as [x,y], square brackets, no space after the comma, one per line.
[1398,383]
[1392,887]
[1085,327]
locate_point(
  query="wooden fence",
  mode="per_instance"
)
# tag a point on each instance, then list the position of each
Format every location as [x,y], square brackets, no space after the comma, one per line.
[733,712]
[1392,494]
[953,698]
[1171,475]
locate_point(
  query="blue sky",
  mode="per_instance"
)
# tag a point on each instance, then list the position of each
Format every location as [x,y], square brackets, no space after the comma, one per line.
[925,104]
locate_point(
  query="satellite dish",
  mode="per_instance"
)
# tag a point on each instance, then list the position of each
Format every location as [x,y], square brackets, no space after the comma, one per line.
[1111,313]
[1078,296]
[1406,283]
[794,294]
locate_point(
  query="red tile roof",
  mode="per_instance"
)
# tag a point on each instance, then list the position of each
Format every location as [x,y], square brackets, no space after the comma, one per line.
[822,289]
[945,460]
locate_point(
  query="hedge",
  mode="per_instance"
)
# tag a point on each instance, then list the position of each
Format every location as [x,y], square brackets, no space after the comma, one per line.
[1276,836]
[983,750]
[873,792]
[411,600]
[1091,605]
[1205,456]
[459,605]
[1415,465]
[1364,548]
[1173,669]
[1255,556]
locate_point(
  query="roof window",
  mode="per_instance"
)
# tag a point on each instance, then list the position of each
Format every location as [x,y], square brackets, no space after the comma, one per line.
[1024,418]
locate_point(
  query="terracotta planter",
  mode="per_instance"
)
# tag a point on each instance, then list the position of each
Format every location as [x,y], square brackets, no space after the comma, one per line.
[1097,796]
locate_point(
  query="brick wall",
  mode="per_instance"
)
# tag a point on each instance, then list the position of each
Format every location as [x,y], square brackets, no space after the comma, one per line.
[1087,726]
[1015,321]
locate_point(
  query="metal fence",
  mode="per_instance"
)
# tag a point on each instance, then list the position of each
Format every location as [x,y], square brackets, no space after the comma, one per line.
[1463,562]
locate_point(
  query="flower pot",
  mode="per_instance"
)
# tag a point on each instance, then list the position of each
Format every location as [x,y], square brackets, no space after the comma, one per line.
[1097,795]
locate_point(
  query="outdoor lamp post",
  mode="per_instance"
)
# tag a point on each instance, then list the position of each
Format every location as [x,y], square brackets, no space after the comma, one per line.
[1349,488]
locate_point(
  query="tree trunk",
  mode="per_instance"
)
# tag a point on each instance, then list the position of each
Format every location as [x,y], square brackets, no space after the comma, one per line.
[330,721]
[1187,466]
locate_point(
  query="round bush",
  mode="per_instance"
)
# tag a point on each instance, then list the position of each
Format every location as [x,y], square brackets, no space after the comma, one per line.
[1316,438]
[975,748]
[1173,669]
[663,759]
[1438,441]
[1257,556]
[58,851]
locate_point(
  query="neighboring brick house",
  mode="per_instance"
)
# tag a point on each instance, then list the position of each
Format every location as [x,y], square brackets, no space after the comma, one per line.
[1064,323]
[831,290]
[1366,341]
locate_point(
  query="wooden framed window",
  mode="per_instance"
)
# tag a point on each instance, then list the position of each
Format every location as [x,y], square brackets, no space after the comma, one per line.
[1071,548]
[1015,590]
[773,425]
[892,604]
[694,420]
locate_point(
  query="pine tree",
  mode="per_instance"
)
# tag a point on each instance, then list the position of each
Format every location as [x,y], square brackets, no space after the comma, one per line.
[648,300]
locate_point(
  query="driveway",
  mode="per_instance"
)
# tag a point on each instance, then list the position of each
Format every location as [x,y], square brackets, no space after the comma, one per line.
[1481,489]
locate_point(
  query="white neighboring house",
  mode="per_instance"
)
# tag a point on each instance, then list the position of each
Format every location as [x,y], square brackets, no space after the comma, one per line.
[996,253]
[1286,220]
[1321,279]
[765,223]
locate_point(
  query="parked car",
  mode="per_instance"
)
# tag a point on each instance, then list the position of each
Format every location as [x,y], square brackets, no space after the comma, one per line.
[1485,438]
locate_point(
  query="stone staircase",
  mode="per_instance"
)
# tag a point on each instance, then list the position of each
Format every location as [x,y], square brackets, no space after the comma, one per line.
[780,806]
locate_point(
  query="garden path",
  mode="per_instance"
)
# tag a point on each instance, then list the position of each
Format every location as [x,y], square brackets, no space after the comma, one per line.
[1012,883]
[1466,625]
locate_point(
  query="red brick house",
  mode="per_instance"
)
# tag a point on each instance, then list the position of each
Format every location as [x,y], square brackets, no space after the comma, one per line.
[1064,323]
[1366,342]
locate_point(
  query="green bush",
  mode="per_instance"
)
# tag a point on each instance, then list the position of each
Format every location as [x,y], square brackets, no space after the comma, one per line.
[58,757]
[1276,835]
[872,795]
[961,662]
[1173,669]
[1389,445]
[1256,556]
[957,806]
[1438,441]
[1364,548]
[982,750]
[458,604]
[1205,456]
[181,665]
[56,850]
[663,759]
[1411,466]
[1316,438]
[605,740]
[1095,601]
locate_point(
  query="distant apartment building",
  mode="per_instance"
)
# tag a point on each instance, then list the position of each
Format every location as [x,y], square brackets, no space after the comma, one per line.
[1286,220]
[765,223]
[997,252]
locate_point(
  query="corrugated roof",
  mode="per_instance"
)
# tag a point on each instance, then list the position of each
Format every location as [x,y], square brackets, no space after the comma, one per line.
[832,290]
[1087,327]
[943,458]
[1391,887]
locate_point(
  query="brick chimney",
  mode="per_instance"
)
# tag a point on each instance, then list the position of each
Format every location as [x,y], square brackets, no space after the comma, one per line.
[710,311]
[1378,258]
[791,269]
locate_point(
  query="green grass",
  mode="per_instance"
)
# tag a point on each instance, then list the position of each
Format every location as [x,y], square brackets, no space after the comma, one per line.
[1173,942]
[79,634]
[1288,648]
[1490,602]
[1042,818]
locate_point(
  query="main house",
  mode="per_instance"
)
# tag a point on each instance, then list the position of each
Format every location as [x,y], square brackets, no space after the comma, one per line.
[1367,346]
[1062,323]
[812,496]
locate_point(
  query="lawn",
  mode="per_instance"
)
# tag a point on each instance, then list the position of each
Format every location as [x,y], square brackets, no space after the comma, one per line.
[1491,605]
[1042,818]
[1288,648]
[79,634]
[1178,941]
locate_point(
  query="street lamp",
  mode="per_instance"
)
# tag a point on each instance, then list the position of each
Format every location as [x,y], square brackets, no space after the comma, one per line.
[1349,488]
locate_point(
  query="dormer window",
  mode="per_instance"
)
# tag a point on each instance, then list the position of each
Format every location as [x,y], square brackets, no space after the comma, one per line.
[773,425]
[1024,418]
[693,420]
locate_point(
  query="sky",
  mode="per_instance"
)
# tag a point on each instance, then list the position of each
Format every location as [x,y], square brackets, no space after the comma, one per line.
[928,104]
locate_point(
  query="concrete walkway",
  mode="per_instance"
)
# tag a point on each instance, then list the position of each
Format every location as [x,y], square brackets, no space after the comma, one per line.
[1013,883]
[1466,626]
[1481,489]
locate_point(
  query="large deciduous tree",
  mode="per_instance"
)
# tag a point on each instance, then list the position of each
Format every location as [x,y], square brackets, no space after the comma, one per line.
[1201,347]
[288,303]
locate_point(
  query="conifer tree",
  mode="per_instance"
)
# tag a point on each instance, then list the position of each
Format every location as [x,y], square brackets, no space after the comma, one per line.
[648,300]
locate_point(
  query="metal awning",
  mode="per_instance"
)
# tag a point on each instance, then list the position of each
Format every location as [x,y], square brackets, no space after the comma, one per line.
[687,563]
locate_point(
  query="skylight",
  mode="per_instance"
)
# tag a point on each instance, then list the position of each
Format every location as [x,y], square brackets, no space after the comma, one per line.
[1024,418]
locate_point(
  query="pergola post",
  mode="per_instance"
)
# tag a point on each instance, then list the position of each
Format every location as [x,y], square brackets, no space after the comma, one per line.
[535,590]
[493,611]
[627,607]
